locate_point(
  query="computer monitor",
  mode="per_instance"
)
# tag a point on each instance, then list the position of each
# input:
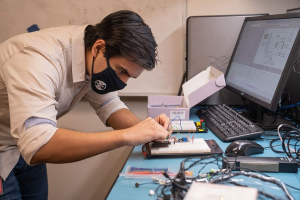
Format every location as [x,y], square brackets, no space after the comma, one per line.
[264,55]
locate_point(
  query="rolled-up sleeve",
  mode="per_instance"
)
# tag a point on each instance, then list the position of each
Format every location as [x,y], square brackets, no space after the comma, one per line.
[31,80]
[105,105]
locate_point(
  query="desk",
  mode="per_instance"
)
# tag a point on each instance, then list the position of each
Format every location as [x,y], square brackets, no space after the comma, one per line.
[124,188]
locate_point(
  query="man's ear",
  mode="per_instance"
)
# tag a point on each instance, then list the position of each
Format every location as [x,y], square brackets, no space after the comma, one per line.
[98,48]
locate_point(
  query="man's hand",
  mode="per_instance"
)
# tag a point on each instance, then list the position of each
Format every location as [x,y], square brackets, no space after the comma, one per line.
[70,146]
[163,120]
[145,131]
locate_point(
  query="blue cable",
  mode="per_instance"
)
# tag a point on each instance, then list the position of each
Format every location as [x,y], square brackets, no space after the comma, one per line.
[285,107]
[173,120]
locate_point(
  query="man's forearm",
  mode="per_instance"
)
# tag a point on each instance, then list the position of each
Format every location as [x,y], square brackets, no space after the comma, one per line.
[70,146]
[121,119]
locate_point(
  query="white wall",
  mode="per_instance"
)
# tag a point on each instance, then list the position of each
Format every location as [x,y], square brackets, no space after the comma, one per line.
[91,178]
[227,7]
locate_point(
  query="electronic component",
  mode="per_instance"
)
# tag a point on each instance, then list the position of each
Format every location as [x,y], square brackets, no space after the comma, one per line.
[243,148]
[264,56]
[183,126]
[263,164]
[151,192]
[201,125]
[197,146]
[182,187]
[160,144]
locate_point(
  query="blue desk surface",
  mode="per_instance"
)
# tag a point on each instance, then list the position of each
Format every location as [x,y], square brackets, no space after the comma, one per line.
[124,188]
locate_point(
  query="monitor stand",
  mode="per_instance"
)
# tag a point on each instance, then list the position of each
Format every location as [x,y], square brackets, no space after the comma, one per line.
[257,115]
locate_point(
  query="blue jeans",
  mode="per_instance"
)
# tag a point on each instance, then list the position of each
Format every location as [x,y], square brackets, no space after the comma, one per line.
[26,182]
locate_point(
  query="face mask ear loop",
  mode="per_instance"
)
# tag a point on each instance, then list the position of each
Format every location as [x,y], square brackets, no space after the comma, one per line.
[92,67]
[108,65]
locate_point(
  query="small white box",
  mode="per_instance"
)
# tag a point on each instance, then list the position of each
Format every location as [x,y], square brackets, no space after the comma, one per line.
[208,191]
[195,90]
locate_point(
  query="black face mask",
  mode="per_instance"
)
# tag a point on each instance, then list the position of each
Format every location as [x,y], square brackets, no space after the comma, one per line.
[106,81]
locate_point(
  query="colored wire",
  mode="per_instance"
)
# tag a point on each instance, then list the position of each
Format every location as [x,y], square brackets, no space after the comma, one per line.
[143,151]
[173,120]
[286,107]
[176,128]
[179,186]
[193,135]
[174,138]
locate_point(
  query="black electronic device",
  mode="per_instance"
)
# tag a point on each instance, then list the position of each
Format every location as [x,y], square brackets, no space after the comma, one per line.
[227,124]
[264,55]
[262,164]
[160,144]
[243,148]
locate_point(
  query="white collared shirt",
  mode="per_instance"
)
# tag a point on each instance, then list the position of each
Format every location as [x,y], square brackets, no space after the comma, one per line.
[42,77]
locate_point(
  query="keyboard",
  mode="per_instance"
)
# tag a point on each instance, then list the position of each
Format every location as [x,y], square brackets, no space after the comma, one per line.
[227,124]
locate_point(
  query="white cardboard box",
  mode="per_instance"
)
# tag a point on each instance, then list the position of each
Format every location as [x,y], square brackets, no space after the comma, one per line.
[195,90]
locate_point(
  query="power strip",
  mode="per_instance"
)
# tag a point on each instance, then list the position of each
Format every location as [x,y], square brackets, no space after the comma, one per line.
[262,164]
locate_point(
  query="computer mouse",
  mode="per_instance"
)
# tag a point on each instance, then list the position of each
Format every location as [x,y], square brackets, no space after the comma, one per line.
[243,148]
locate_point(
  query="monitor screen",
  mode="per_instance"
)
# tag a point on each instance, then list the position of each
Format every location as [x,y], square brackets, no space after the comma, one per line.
[262,59]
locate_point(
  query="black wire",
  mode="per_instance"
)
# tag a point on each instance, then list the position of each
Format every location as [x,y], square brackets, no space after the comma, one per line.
[292,186]
[288,144]
[177,189]
[156,191]
[268,176]
[166,196]
[296,145]
[234,164]
[290,136]
[272,148]
[239,173]
[290,133]
[289,112]
[182,189]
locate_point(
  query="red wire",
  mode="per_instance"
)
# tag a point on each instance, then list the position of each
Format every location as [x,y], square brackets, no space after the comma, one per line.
[193,138]
[144,145]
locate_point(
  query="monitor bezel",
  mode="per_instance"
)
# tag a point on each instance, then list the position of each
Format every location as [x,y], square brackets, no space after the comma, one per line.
[287,68]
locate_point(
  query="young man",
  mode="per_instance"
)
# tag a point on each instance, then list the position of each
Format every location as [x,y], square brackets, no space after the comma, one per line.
[44,74]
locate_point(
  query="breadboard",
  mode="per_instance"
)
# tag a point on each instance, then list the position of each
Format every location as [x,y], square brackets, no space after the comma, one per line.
[198,146]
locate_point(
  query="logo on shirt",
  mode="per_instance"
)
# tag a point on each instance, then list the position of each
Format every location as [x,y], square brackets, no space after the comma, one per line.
[100,85]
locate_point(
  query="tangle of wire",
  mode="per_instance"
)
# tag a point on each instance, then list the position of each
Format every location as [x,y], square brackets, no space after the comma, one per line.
[289,141]
[285,109]
[289,111]
[177,187]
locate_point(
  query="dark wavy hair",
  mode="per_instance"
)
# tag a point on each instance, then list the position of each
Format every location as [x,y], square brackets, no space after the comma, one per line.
[126,35]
